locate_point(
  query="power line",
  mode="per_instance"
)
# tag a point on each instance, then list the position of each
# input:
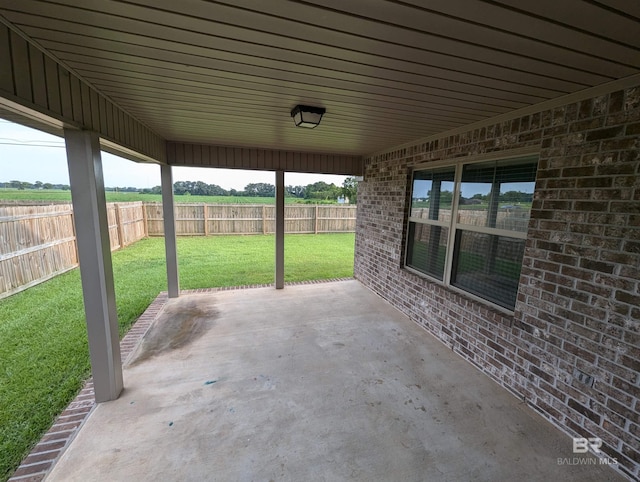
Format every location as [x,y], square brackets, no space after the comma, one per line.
[30,145]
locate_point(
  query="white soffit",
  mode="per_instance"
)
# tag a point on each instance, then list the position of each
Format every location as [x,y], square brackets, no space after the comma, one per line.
[229,72]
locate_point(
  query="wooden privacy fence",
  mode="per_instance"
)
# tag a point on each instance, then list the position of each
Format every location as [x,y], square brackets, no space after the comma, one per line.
[127,223]
[512,219]
[209,219]
[39,242]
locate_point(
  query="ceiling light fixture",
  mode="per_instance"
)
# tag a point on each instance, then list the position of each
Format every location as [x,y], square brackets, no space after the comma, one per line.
[307,116]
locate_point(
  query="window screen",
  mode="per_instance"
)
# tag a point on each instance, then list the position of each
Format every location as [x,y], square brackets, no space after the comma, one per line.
[429,220]
[488,266]
[488,222]
[427,248]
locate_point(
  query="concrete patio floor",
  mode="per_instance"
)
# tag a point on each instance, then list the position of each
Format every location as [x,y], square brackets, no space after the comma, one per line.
[319,382]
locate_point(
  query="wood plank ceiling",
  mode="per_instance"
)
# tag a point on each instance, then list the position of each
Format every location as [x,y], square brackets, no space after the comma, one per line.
[228,72]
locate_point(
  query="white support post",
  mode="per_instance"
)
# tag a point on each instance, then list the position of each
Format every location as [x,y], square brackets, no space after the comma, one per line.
[170,245]
[279,230]
[94,252]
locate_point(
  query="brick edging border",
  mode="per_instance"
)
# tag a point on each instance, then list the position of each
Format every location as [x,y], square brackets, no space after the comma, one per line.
[42,458]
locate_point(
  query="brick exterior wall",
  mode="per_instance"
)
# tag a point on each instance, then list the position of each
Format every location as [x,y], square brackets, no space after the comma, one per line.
[578,302]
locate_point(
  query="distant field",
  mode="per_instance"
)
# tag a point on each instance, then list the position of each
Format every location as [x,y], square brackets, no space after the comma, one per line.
[58,195]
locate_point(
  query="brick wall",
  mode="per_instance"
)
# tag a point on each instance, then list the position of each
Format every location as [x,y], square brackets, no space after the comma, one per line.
[579,302]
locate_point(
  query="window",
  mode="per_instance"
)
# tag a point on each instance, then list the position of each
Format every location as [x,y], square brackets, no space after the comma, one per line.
[468,224]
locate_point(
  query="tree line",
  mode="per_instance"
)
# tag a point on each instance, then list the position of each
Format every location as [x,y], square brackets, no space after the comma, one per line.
[446,198]
[318,191]
[36,185]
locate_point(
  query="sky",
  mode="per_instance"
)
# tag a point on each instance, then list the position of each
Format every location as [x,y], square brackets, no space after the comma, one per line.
[468,189]
[30,155]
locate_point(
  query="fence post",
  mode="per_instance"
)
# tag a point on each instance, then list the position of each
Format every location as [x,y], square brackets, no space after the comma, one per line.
[205,213]
[75,237]
[264,219]
[144,220]
[119,225]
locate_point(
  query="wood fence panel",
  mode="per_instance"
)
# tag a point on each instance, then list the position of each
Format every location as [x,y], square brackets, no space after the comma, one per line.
[251,219]
[154,219]
[269,219]
[513,219]
[38,242]
[131,222]
[235,219]
[112,220]
[510,219]
[300,219]
[189,219]
[336,219]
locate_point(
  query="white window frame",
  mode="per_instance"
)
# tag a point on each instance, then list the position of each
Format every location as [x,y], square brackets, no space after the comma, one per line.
[453,226]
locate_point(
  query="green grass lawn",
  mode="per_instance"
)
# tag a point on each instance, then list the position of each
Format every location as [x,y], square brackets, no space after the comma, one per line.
[43,341]
[59,195]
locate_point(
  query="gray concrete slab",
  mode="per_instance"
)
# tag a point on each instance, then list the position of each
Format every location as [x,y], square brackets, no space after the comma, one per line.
[321,382]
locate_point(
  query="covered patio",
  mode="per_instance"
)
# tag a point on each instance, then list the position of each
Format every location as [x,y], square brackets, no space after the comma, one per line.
[416,96]
[315,382]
